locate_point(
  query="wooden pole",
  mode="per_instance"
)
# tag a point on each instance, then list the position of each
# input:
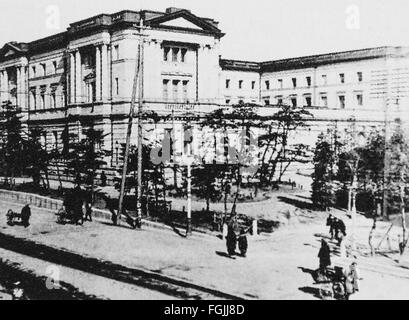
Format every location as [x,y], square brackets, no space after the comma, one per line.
[128,134]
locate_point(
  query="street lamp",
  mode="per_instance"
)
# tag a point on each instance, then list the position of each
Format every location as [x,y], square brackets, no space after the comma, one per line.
[188,161]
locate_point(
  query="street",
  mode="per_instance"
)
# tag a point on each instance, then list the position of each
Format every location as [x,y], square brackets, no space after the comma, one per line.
[99,261]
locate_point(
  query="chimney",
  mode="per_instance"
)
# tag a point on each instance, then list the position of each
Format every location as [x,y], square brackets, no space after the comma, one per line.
[171,10]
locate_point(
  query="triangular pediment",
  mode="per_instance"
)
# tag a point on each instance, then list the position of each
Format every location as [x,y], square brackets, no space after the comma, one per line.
[181,23]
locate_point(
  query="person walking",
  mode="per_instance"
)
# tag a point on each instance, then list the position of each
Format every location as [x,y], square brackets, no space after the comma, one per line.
[103,179]
[352,280]
[330,224]
[88,211]
[231,242]
[325,257]
[25,216]
[243,243]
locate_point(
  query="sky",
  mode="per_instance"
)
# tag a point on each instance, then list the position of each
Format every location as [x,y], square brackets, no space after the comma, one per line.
[256,30]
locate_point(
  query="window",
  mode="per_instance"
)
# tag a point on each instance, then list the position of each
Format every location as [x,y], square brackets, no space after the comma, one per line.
[240,84]
[308,79]
[42,100]
[185,85]
[253,85]
[33,100]
[116,52]
[342,77]
[53,100]
[324,101]
[360,99]
[294,80]
[117,86]
[175,53]
[33,71]
[175,84]
[44,69]
[279,100]
[280,83]
[183,57]
[166,51]
[228,84]
[228,101]
[267,85]
[308,101]
[294,101]
[324,80]
[241,101]
[341,101]
[267,102]
[360,76]
[165,90]
[55,66]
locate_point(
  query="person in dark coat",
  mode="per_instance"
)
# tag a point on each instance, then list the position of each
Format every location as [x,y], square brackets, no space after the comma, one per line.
[103,179]
[340,231]
[325,256]
[243,243]
[25,216]
[330,224]
[231,242]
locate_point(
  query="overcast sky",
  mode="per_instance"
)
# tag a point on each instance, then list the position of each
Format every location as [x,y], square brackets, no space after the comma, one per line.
[255,29]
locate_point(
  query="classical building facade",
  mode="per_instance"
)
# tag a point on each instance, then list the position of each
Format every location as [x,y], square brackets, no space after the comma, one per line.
[84,76]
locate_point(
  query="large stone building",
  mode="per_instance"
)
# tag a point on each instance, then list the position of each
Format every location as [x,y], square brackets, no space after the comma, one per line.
[84,77]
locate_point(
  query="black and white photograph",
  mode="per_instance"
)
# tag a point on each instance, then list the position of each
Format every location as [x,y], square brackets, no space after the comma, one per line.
[216,151]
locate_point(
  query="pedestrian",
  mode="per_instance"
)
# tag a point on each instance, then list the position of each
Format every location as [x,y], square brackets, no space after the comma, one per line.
[111,207]
[88,211]
[325,257]
[352,280]
[231,241]
[103,179]
[243,243]
[330,224]
[25,216]
[340,231]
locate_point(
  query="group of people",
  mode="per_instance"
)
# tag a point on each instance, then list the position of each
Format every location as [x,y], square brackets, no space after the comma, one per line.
[232,240]
[77,204]
[350,276]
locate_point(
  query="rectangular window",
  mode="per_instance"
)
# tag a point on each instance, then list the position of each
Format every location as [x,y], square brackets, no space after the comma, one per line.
[175,85]
[279,100]
[165,90]
[308,80]
[55,67]
[280,83]
[324,80]
[44,69]
[360,76]
[42,100]
[360,99]
[294,80]
[53,100]
[267,102]
[183,56]
[342,77]
[267,85]
[341,101]
[228,101]
[308,101]
[240,84]
[253,85]
[116,52]
[294,101]
[117,86]
[33,100]
[166,51]
[185,85]
[175,54]
[324,101]
[33,71]
[228,84]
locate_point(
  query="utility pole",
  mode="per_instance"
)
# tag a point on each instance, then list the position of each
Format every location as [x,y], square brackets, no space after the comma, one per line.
[189,181]
[137,79]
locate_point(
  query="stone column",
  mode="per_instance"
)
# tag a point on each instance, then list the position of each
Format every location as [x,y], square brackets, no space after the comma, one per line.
[98,72]
[18,87]
[72,78]
[104,72]
[78,78]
